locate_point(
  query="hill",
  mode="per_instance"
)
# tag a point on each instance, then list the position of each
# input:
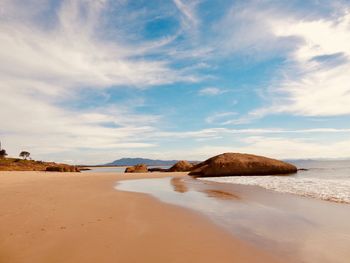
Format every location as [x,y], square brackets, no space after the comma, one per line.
[15,164]
[135,161]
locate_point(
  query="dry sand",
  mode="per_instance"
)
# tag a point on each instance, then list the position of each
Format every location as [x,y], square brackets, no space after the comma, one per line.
[72,217]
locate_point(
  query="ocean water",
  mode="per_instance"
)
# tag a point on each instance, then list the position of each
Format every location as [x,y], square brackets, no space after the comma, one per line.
[115,169]
[326,180]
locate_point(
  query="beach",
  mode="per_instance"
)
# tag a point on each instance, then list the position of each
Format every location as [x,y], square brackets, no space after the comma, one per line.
[81,217]
[174,131]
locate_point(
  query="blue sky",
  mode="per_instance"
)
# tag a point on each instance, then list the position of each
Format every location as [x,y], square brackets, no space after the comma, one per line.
[93,81]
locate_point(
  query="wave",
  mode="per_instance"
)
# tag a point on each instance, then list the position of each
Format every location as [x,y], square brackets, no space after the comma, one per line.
[326,189]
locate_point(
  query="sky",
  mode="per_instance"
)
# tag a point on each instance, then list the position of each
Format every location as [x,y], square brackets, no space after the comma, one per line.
[89,82]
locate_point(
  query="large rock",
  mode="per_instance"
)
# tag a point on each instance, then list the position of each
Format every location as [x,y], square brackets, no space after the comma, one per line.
[181,166]
[231,164]
[139,168]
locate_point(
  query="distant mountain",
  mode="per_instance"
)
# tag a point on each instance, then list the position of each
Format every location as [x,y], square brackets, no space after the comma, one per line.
[134,161]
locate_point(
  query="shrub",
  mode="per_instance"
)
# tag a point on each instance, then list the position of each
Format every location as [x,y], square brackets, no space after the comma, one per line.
[24,154]
[3,153]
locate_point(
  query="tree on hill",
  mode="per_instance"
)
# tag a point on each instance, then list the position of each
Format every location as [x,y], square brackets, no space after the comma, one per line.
[3,153]
[24,154]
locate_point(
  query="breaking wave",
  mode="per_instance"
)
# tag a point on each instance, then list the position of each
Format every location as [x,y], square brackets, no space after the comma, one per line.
[336,190]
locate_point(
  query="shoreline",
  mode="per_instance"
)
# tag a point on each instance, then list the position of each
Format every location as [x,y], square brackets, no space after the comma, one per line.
[291,227]
[55,217]
[303,187]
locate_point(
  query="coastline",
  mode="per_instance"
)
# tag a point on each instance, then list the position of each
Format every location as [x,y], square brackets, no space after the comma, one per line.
[291,227]
[80,217]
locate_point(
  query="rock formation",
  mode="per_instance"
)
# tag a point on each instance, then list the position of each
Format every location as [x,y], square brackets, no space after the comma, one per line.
[62,168]
[139,168]
[233,164]
[181,166]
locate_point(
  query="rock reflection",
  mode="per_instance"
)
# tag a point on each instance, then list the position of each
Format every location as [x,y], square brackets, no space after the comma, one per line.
[220,194]
[179,185]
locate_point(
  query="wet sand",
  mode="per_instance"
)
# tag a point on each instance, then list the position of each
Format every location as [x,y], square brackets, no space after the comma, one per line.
[66,217]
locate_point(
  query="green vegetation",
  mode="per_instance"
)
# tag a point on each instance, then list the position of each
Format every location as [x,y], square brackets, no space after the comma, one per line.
[24,155]
[3,153]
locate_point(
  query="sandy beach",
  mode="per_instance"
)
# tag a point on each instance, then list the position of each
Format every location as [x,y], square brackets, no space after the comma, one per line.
[80,217]
[174,131]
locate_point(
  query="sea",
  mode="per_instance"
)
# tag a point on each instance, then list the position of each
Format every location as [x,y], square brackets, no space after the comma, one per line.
[326,180]
[115,169]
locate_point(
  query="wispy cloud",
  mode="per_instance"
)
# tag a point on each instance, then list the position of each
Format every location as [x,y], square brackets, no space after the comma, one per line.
[260,44]
[72,53]
[188,10]
[224,132]
[274,147]
[44,69]
[281,148]
[220,118]
[57,57]
[314,79]
[211,91]
[322,63]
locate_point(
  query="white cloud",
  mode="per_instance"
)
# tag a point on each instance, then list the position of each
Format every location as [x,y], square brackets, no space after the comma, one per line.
[74,53]
[44,129]
[314,80]
[275,147]
[45,68]
[188,10]
[296,148]
[211,91]
[211,133]
[245,30]
[321,87]
[220,118]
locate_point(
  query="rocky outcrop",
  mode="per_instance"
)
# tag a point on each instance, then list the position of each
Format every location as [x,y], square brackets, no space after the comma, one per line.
[62,168]
[181,166]
[139,168]
[16,164]
[235,164]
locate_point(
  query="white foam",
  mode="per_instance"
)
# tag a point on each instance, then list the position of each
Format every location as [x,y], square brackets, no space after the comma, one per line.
[327,189]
